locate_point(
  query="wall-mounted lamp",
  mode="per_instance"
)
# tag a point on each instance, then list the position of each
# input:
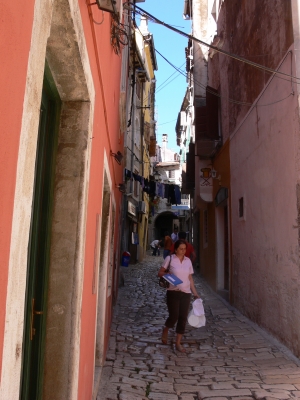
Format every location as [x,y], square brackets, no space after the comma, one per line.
[121,187]
[205,172]
[213,173]
[117,156]
[106,5]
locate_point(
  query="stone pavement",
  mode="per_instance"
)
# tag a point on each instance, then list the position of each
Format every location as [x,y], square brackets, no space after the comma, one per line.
[229,358]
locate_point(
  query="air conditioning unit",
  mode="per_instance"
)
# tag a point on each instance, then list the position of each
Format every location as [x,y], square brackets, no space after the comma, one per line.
[142,207]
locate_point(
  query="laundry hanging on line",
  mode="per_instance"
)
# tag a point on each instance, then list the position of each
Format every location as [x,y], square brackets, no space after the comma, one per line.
[164,190]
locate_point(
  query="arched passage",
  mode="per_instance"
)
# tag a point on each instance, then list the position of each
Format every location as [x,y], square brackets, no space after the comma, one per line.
[165,221]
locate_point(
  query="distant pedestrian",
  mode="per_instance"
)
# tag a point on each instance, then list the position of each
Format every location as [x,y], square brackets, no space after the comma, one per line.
[155,247]
[167,245]
[174,235]
[178,297]
[190,251]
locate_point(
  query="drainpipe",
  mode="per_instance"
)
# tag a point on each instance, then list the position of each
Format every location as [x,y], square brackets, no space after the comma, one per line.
[132,121]
[142,132]
[133,95]
[295,5]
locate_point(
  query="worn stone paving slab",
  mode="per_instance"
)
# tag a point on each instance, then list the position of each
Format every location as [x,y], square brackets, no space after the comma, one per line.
[228,359]
[203,394]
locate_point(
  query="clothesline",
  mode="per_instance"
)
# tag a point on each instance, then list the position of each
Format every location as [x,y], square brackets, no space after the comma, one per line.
[164,190]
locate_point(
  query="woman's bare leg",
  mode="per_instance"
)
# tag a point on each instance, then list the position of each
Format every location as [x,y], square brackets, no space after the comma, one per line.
[164,337]
[178,343]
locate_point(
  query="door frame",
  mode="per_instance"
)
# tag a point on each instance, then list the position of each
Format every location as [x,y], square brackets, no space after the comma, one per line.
[36,292]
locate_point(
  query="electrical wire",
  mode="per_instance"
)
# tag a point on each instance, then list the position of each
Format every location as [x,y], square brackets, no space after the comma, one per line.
[140,11]
[276,73]
[166,80]
[256,55]
[163,87]
[178,70]
[159,88]
[119,36]
[164,123]
[99,23]
[220,96]
[100,77]
[200,84]
[146,162]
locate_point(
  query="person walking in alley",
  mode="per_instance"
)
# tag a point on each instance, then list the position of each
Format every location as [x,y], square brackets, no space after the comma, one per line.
[155,247]
[178,297]
[174,235]
[190,251]
[167,245]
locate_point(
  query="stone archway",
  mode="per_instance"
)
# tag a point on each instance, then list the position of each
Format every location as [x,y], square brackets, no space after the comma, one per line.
[163,222]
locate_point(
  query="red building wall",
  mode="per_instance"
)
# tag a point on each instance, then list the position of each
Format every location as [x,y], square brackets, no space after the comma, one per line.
[105,65]
[15,36]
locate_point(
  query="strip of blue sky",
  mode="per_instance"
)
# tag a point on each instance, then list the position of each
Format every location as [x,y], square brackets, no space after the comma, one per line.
[170,89]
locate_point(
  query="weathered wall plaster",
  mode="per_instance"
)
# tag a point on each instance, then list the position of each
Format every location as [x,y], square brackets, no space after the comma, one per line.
[258,30]
[265,246]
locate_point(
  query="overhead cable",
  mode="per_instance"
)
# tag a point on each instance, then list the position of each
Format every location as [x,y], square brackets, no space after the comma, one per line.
[218,95]
[140,11]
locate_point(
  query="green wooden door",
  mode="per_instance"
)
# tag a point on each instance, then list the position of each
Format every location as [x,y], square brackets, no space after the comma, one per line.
[39,246]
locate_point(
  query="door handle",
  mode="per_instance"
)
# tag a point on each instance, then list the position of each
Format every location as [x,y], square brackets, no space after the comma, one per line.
[33,313]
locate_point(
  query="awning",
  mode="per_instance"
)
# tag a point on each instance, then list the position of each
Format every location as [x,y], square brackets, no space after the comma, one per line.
[180,207]
[168,166]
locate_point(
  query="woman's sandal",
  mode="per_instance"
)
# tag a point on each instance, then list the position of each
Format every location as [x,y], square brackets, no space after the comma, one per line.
[180,348]
[164,337]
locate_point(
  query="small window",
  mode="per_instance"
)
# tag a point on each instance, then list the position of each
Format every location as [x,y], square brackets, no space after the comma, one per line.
[241,207]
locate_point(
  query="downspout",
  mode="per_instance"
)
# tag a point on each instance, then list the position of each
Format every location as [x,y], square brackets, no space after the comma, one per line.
[141,194]
[133,94]
[133,120]
[142,132]
[295,8]
[133,102]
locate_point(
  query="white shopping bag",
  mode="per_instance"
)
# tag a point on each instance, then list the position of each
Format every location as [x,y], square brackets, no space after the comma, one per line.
[196,317]
[196,320]
[198,307]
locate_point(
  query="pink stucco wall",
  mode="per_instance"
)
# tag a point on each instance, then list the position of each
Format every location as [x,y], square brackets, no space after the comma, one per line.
[264,151]
[264,162]
[106,70]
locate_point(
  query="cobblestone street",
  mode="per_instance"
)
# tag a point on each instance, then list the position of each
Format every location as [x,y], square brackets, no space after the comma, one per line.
[229,358]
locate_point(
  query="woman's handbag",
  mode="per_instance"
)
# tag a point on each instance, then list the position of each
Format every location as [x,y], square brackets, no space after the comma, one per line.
[161,281]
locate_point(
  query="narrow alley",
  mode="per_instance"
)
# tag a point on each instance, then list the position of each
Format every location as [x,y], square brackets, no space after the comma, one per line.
[229,358]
